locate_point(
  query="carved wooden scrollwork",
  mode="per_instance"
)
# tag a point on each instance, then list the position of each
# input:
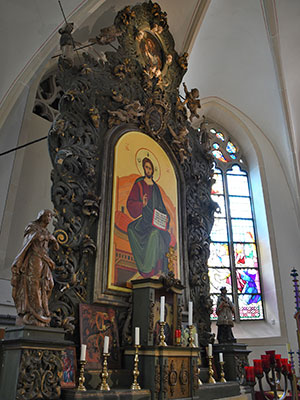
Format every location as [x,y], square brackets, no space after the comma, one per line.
[129,85]
[40,375]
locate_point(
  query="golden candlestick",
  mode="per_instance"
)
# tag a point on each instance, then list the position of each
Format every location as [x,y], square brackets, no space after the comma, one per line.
[191,338]
[162,334]
[104,374]
[222,372]
[135,385]
[210,370]
[198,371]
[81,378]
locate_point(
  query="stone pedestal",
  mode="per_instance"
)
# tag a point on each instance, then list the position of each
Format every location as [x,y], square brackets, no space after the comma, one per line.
[235,359]
[31,363]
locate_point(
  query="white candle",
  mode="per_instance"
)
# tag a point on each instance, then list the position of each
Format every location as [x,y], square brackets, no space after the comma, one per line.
[106,343]
[190,313]
[221,357]
[83,352]
[137,336]
[162,309]
[209,350]
[196,340]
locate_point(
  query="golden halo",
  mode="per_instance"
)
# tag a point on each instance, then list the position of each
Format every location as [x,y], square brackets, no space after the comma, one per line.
[140,155]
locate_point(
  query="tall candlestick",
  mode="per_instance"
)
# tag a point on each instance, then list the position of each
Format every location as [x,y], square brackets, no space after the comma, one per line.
[83,352]
[221,357]
[137,336]
[106,343]
[190,313]
[162,309]
[209,350]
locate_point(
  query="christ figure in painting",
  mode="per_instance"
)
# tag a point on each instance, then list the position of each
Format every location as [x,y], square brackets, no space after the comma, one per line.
[148,233]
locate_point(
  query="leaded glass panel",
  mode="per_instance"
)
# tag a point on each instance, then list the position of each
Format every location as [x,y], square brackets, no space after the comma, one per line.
[240,207]
[219,255]
[237,185]
[219,230]
[217,187]
[220,200]
[242,230]
[245,255]
[250,310]
[218,278]
[247,281]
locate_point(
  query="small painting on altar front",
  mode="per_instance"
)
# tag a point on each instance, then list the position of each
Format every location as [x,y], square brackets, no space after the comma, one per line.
[144,217]
[96,322]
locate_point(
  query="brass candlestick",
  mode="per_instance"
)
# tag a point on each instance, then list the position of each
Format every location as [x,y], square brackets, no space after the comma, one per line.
[104,374]
[135,385]
[191,339]
[210,370]
[162,334]
[222,372]
[198,371]
[81,378]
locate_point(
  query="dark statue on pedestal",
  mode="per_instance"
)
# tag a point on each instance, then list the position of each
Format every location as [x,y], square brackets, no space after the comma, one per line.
[225,311]
[32,280]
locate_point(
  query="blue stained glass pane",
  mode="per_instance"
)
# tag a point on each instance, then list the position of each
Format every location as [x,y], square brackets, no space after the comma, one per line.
[233,156]
[242,230]
[217,187]
[216,146]
[231,147]
[219,255]
[245,255]
[252,311]
[248,283]
[240,207]
[220,200]
[219,277]
[218,154]
[237,185]
[220,135]
[219,230]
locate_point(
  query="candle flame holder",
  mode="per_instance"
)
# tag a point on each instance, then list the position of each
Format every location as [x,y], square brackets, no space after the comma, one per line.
[104,374]
[191,338]
[162,334]
[135,385]
[211,378]
[81,378]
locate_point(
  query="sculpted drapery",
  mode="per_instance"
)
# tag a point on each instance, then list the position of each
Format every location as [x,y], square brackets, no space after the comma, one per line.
[32,280]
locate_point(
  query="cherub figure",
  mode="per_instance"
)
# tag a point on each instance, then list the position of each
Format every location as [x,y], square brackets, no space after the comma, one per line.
[192,101]
[181,142]
[106,36]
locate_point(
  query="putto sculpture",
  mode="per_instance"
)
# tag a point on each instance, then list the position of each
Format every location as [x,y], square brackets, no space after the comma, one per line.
[32,280]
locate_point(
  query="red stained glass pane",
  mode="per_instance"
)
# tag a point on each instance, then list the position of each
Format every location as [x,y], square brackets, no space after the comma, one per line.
[219,155]
[245,255]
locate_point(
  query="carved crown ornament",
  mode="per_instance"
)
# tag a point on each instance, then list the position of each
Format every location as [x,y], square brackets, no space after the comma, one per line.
[135,84]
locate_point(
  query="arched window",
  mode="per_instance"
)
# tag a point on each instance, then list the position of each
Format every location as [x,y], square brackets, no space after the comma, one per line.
[234,261]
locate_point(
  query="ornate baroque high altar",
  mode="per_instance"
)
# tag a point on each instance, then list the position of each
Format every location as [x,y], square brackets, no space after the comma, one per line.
[120,115]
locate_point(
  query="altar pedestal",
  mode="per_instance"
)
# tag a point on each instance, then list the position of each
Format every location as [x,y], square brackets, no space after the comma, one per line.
[169,372]
[121,394]
[31,362]
[235,358]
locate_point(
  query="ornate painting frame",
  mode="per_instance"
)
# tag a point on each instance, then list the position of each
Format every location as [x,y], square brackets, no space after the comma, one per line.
[102,290]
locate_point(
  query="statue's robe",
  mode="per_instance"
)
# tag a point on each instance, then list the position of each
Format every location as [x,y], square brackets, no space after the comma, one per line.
[149,244]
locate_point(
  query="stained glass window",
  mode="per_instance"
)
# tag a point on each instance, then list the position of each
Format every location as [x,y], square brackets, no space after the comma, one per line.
[233,261]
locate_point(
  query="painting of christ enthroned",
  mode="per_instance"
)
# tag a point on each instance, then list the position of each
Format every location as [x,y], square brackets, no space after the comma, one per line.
[144,217]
